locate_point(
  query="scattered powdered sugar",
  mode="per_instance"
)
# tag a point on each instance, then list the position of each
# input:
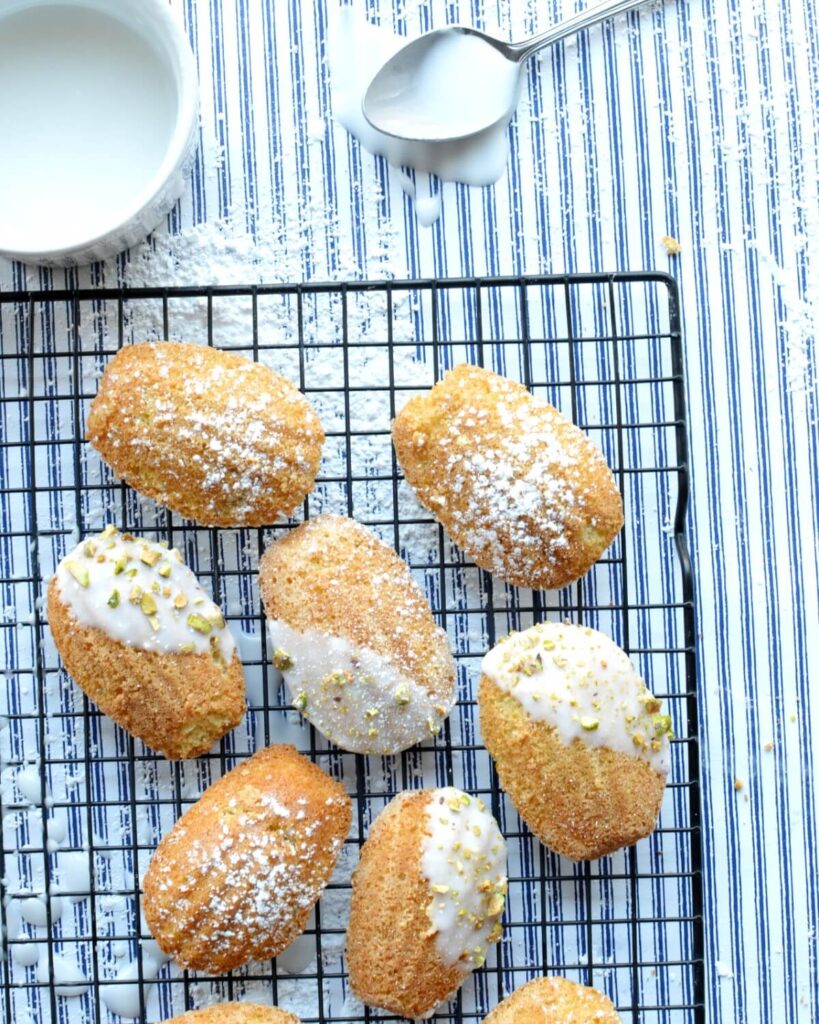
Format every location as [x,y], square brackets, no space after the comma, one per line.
[504,475]
[240,886]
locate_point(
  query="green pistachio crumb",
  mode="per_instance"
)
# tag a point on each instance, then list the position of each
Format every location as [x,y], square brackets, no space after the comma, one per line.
[79,572]
[589,724]
[113,600]
[199,623]
[282,660]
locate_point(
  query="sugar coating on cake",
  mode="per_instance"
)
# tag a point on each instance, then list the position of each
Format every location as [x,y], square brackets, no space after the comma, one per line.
[354,696]
[520,488]
[264,854]
[464,860]
[580,682]
[141,593]
[213,435]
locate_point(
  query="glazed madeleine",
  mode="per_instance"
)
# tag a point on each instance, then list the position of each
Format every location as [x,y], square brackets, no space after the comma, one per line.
[216,437]
[579,742]
[428,895]
[141,638]
[354,637]
[518,487]
[238,875]
[554,1001]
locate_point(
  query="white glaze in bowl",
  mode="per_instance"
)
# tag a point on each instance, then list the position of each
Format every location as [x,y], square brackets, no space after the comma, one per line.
[98,125]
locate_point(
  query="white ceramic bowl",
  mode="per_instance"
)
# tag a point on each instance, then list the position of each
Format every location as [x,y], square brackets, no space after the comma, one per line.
[98,125]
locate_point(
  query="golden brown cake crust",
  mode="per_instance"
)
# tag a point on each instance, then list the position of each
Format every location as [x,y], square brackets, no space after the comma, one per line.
[391,956]
[335,575]
[210,434]
[554,1001]
[236,1013]
[517,486]
[237,877]
[583,802]
[178,704]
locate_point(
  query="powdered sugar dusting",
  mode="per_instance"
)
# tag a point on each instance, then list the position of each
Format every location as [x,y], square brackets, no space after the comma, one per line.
[500,469]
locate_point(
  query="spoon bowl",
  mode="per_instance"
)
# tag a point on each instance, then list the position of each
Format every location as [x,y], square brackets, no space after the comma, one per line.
[455,82]
[445,85]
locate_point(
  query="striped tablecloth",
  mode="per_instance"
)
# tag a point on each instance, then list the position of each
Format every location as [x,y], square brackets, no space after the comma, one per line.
[692,118]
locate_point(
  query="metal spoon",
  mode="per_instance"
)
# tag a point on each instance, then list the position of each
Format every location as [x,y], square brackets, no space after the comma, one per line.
[396,103]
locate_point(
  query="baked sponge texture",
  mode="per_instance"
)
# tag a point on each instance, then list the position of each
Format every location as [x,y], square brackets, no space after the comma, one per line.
[178,704]
[554,1001]
[581,801]
[517,486]
[214,436]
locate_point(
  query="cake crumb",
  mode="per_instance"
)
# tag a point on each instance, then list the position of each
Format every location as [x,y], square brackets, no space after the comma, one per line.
[738,784]
[768,747]
[671,245]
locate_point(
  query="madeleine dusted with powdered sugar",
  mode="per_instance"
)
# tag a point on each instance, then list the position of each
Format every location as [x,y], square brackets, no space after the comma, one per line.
[210,434]
[236,1013]
[238,875]
[554,1001]
[522,490]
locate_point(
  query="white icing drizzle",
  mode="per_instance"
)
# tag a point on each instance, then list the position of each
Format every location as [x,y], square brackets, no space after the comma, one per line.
[581,683]
[143,594]
[464,860]
[353,695]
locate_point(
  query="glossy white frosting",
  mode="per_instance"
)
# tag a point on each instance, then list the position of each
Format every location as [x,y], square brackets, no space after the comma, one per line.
[581,683]
[353,695]
[464,860]
[143,594]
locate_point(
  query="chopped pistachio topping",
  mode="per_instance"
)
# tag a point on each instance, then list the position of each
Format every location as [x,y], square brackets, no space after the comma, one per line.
[199,623]
[402,695]
[300,701]
[113,600]
[148,604]
[180,601]
[188,648]
[135,595]
[150,556]
[216,618]
[282,660]
[589,724]
[79,572]
[164,569]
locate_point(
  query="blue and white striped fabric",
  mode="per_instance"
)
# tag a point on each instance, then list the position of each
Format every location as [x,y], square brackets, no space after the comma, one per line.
[697,119]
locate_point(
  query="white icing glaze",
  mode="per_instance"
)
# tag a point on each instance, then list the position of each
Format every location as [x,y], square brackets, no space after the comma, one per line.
[143,594]
[464,860]
[354,696]
[581,683]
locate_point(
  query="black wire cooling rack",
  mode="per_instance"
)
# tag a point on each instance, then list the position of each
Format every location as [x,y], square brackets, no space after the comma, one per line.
[84,805]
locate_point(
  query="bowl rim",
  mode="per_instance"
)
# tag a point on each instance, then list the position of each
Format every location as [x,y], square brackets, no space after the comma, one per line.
[182,62]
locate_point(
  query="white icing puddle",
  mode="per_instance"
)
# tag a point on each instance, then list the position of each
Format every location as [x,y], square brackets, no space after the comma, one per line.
[357,50]
[34,910]
[68,978]
[123,997]
[283,726]
[80,84]
[74,874]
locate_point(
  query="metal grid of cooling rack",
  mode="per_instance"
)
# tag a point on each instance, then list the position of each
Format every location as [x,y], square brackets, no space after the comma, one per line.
[81,799]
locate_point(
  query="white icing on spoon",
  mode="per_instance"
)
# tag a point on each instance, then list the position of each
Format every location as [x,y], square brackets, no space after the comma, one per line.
[357,50]
[464,860]
[141,593]
[582,684]
[353,695]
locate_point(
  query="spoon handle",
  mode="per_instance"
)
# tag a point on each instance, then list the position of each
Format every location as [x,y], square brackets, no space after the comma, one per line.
[584,19]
